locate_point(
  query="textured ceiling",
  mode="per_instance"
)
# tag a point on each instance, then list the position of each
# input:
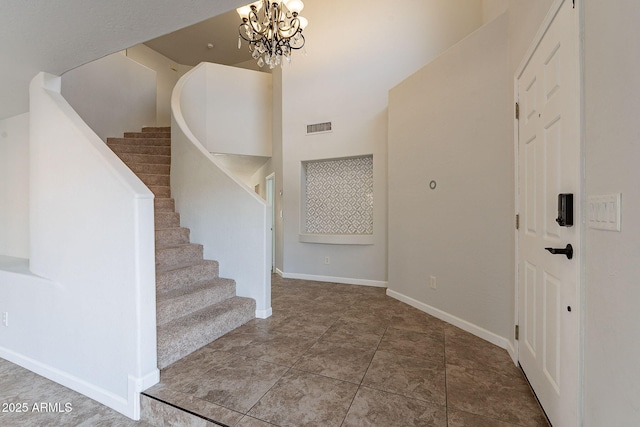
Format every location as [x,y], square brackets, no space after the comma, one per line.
[58,35]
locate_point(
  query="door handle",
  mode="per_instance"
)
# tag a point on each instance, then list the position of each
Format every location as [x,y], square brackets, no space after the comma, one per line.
[568,251]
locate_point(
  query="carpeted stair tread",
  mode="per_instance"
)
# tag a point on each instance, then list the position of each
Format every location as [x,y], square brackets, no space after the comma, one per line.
[162,191]
[133,141]
[154,179]
[140,149]
[150,168]
[152,159]
[174,256]
[178,277]
[167,219]
[147,135]
[184,301]
[171,236]
[164,204]
[185,335]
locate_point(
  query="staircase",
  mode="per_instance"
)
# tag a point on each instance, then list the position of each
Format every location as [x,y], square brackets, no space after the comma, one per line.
[194,306]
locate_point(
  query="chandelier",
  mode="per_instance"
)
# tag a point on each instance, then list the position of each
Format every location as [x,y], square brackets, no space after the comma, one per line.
[273,29]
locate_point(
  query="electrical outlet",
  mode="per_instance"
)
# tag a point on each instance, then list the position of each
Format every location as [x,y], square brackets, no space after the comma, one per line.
[432,282]
[327,260]
[5,318]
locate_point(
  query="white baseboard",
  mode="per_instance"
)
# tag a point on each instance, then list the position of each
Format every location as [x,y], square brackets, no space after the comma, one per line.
[331,279]
[128,406]
[456,321]
[263,314]
[279,272]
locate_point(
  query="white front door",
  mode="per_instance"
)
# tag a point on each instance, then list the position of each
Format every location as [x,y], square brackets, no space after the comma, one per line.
[549,163]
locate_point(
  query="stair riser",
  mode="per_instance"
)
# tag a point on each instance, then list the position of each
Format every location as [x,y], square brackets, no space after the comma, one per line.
[178,255]
[148,129]
[164,205]
[159,142]
[167,281]
[140,149]
[153,179]
[172,236]
[173,346]
[190,303]
[147,168]
[145,158]
[147,135]
[167,220]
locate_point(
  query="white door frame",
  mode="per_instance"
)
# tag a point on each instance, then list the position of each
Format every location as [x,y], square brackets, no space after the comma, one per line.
[271,179]
[579,22]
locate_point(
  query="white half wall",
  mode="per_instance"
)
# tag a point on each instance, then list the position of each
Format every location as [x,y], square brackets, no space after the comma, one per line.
[450,124]
[82,308]
[345,79]
[612,150]
[239,119]
[113,95]
[14,186]
[225,215]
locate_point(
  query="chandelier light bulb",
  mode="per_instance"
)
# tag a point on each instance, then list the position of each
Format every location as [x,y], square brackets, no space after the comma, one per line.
[244,12]
[294,6]
[303,22]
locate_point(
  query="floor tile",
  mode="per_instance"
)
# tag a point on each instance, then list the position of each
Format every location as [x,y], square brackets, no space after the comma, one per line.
[191,368]
[501,397]
[237,385]
[412,319]
[305,399]
[248,421]
[354,333]
[464,419]
[469,351]
[376,408]
[414,344]
[409,376]
[284,348]
[340,361]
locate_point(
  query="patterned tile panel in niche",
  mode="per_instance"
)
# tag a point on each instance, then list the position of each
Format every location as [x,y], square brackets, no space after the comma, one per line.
[340,196]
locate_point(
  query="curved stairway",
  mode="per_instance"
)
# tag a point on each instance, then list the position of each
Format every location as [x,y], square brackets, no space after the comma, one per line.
[194,306]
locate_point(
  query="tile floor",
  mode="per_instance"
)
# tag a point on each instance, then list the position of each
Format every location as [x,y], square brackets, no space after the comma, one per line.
[341,355]
[19,386]
[331,355]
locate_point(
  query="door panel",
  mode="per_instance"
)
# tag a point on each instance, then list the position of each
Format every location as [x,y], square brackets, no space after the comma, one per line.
[549,164]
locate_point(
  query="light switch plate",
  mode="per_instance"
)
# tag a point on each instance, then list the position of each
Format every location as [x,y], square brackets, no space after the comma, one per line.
[603,212]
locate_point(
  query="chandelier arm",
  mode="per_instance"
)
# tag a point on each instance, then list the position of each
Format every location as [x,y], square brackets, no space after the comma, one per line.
[301,37]
[289,31]
[255,24]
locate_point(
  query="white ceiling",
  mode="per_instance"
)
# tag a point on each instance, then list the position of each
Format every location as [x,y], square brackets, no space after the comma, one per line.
[188,46]
[56,36]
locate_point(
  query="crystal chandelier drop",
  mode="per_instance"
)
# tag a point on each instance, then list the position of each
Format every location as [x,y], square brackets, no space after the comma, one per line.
[273,29]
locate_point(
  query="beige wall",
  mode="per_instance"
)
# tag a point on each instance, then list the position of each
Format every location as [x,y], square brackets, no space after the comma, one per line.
[167,74]
[450,123]
[14,186]
[345,79]
[612,140]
